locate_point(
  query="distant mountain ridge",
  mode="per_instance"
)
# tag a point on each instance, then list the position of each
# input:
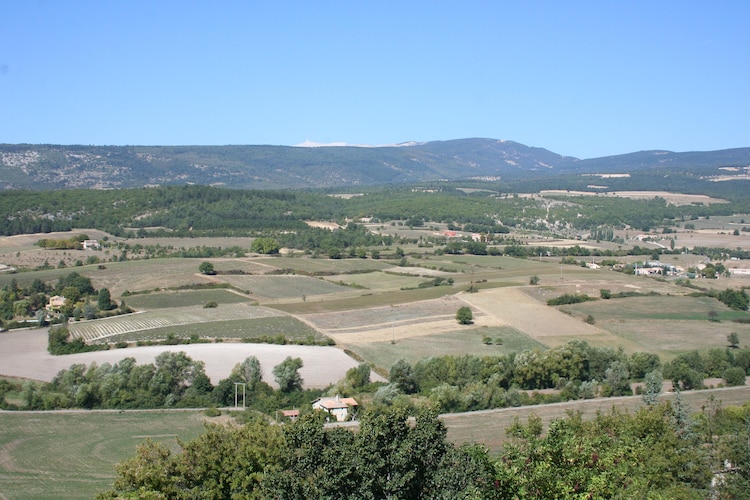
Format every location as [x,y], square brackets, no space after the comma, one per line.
[25,166]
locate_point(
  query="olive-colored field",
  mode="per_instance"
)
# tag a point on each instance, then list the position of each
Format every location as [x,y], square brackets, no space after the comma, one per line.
[184,298]
[60,455]
[104,329]
[471,340]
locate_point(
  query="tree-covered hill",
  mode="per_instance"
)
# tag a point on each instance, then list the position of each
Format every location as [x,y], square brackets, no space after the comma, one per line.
[43,167]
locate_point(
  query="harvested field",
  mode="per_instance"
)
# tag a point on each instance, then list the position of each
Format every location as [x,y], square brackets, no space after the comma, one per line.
[283,286]
[326,266]
[671,198]
[667,338]
[389,322]
[377,281]
[545,324]
[24,354]
[718,238]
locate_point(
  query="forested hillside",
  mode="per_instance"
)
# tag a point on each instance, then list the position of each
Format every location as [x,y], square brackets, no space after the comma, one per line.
[25,166]
[203,210]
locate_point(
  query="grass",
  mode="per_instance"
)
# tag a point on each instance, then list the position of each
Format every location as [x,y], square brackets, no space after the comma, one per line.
[335,266]
[282,286]
[166,318]
[673,307]
[365,300]
[291,328]
[378,281]
[72,455]
[183,298]
[385,354]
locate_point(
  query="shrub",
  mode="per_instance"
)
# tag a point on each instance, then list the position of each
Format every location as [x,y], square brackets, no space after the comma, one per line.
[212,412]
[734,376]
[210,305]
[568,298]
[464,316]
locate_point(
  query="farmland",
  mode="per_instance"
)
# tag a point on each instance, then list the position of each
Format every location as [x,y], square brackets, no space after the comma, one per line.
[376,310]
[80,449]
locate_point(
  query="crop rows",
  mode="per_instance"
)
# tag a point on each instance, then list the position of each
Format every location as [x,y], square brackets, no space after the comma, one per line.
[426,310]
[99,329]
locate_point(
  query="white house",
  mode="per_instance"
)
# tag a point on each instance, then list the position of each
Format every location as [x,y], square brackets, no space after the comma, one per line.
[337,406]
[91,245]
[55,303]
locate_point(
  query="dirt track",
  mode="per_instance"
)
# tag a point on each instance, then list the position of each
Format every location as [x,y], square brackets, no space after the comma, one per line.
[24,354]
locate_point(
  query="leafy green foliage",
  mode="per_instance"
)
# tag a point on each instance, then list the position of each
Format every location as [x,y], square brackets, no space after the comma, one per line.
[287,374]
[59,342]
[206,268]
[265,246]
[569,298]
[464,316]
[636,455]
[736,299]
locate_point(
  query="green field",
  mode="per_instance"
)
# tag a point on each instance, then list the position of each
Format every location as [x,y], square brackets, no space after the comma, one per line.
[378,281]
[282,286]
[656,307]
[326,266]
[291,328]
[385,354]
[72,455]
[183,298]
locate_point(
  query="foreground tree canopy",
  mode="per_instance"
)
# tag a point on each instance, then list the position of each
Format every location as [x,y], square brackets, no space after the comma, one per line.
[657,452]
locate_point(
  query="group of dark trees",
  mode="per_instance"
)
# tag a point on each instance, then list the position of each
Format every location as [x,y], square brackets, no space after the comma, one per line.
[173,380]
[656,452]
[81,300]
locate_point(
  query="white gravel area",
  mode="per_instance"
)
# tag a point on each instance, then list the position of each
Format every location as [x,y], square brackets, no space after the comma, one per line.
[24,354]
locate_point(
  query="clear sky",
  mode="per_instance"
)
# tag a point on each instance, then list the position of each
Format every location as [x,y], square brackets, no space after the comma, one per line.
[579,78]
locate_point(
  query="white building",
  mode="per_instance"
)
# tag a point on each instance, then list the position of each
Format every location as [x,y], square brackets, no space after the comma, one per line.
[337,406]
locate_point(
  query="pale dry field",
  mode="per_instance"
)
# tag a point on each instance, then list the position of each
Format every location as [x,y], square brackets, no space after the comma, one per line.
[718,238]
[671,198]
[24,354]
[395,322]
[545,324]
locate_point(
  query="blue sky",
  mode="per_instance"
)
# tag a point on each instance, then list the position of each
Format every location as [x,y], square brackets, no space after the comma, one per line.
[583,79]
